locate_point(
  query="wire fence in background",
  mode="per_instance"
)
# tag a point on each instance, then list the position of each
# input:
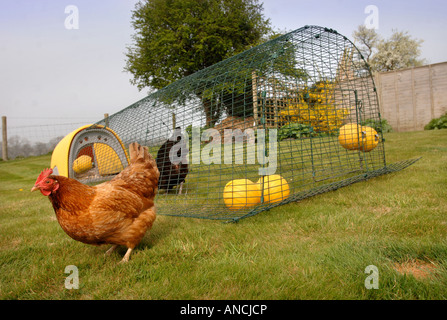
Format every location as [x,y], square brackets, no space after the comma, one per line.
[34,140]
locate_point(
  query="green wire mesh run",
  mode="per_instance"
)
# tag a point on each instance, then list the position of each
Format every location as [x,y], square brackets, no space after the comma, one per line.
[274,109]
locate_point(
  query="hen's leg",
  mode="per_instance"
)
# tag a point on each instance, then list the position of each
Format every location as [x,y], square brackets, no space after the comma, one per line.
[137,230]
[109,252]
[180,188]
[127,255]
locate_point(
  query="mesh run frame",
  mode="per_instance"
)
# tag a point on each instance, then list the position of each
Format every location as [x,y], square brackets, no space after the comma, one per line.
[275,109]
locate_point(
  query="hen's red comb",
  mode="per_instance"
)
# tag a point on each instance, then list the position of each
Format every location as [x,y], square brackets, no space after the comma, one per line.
[44,174]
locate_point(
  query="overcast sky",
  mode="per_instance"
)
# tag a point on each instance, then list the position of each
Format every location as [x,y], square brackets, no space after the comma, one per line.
[48,71]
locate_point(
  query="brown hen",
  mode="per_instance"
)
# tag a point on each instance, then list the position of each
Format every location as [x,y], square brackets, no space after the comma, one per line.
[117,212]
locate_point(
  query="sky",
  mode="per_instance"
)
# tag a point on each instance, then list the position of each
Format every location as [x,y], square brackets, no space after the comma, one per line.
[56,68]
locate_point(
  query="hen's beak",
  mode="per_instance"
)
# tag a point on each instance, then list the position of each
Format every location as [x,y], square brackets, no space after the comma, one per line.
[35,188]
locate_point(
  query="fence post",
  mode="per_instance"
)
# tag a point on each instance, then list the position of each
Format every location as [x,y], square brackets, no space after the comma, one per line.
[4,139]
[173,121]
[254,89]
[106,119]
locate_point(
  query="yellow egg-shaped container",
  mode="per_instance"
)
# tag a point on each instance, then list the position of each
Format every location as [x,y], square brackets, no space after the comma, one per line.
[82,164]
[275,188]
[241,193]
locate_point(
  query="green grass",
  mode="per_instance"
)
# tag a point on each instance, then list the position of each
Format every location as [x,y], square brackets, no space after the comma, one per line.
[315,249]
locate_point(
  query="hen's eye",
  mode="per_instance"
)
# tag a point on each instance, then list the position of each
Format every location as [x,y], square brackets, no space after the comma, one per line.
[47,182]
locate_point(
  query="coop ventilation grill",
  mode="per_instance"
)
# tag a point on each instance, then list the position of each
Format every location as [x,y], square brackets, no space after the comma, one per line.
[276,109]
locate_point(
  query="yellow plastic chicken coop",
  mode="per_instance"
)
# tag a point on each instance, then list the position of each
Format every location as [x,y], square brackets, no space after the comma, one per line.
[91,153]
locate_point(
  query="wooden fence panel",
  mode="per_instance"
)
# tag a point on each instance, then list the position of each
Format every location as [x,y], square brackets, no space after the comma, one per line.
[410,98]
[422,97]
[439,87]
[387,98]
[405,105]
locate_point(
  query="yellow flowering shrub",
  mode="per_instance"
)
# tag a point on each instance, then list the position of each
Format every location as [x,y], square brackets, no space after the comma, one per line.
[316,107]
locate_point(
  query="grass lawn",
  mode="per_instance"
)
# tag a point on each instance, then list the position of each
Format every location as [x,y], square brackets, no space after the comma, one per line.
[317,248]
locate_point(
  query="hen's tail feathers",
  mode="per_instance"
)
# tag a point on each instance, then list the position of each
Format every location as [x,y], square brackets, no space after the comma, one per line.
[139,153]
[133,151]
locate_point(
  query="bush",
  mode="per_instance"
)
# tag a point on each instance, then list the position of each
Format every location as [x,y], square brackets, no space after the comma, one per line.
[380,126]
[316,108]
[295,131]
[438,123]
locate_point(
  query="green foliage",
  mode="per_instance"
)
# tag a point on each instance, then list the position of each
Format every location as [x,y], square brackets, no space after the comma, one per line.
[438,123]
[295,131]
[176,38]
[380,126]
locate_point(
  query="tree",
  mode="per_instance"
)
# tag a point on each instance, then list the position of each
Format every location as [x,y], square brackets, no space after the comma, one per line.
[366,40]
[175,38]
[399,51]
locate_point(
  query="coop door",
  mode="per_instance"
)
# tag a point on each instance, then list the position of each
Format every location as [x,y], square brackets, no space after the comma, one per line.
[96,154]
[328,158]
[107,159]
